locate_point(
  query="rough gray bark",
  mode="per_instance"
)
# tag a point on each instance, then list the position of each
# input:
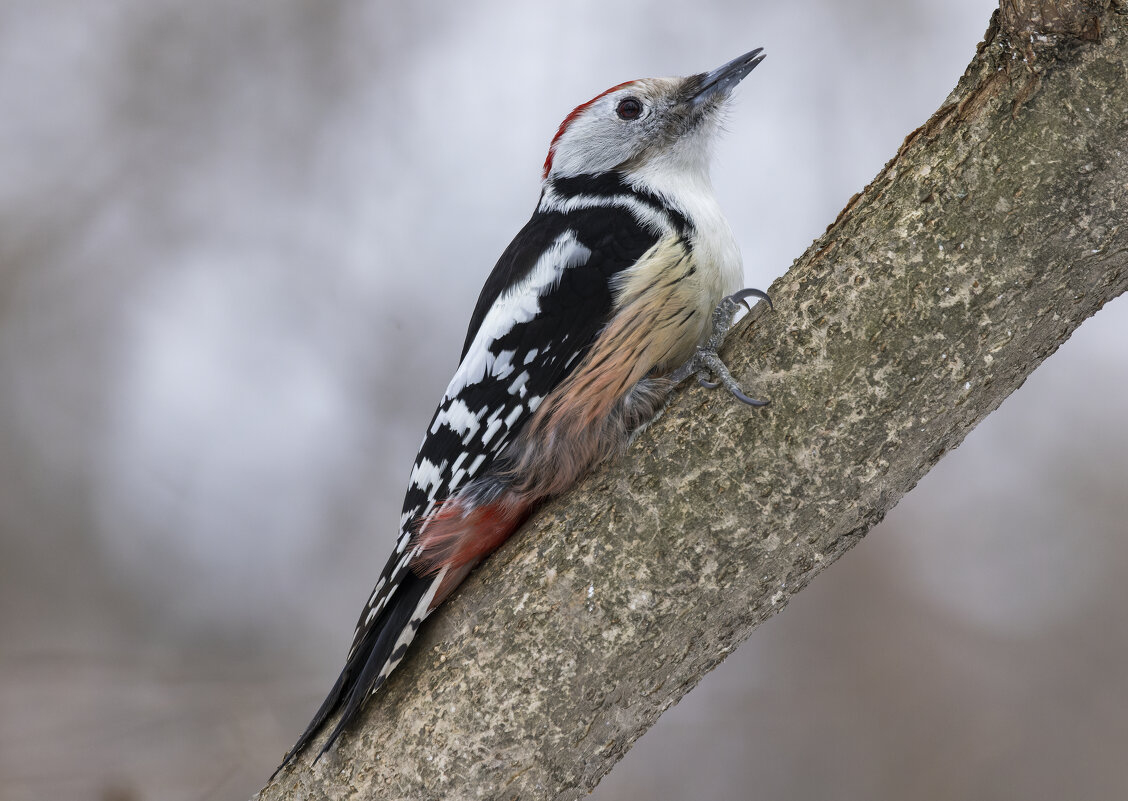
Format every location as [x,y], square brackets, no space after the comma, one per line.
[996,229]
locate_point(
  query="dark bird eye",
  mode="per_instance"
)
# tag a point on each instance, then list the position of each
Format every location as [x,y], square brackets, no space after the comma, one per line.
[629,108]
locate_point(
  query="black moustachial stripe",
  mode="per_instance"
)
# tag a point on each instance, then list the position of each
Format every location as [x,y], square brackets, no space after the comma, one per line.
[612,184]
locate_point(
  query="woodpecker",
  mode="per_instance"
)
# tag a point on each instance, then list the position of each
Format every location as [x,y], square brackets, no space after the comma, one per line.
[622,284]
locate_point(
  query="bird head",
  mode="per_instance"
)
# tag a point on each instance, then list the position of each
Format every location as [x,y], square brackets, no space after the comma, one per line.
[652,123]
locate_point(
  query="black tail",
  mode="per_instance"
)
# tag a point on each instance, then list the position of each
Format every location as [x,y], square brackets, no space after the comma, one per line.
[370,661]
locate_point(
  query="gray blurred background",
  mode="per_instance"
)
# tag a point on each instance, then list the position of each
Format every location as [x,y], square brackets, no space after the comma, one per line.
[239,244]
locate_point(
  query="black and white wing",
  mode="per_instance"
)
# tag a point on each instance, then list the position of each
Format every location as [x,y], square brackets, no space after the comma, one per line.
[547,299]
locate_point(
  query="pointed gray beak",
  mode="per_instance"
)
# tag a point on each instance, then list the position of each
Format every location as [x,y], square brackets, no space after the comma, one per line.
[721,80]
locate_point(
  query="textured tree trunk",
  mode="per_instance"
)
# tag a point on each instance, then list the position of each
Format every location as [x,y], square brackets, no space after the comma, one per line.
[995,230]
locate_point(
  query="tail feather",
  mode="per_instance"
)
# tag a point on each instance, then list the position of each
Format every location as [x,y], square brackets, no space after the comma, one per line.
[372,659]
[449,543]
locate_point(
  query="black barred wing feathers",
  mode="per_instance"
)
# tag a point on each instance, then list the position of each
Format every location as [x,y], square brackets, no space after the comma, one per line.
[547,299]
[544,303]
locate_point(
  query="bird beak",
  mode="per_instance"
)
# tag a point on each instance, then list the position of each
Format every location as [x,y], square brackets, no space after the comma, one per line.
[721,80]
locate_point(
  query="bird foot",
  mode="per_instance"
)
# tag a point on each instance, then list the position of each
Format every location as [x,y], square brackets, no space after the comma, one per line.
[705,362]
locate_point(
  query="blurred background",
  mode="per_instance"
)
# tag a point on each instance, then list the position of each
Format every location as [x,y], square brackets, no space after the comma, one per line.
[239,244]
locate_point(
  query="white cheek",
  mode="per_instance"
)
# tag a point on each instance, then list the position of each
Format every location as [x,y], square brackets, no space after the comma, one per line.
[587,148]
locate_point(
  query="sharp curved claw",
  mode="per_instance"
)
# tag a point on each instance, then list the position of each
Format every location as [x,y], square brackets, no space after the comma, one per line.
[742,295]
[740,396]
[708,384]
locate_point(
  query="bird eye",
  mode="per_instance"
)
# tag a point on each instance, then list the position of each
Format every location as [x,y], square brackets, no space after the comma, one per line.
[629,108]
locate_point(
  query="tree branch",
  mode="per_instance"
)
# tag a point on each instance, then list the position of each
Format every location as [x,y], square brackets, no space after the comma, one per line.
[996,229]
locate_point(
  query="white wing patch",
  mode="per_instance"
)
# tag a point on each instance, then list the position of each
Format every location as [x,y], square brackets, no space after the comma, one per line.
[518,386]
[427,476]
[519,304]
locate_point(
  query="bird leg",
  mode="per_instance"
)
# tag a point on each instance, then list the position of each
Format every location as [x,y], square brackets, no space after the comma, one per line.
[705,362]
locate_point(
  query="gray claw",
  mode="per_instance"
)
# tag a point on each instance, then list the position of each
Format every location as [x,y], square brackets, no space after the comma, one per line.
[720,370]
[706,362]
[743,294]
[740,396]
